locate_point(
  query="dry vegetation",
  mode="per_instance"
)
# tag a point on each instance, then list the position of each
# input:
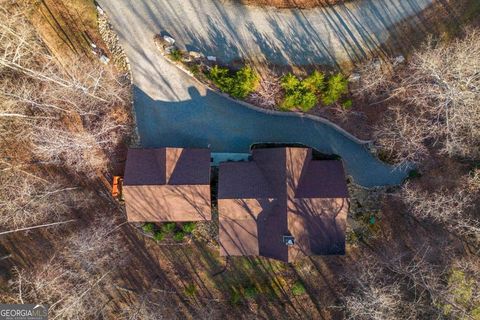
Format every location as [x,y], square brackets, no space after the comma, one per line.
[432,100]
[303,4]
[60,129]
[431,120]
[59,125]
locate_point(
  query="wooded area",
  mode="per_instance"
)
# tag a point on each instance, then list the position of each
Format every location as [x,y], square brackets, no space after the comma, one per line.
[63,126]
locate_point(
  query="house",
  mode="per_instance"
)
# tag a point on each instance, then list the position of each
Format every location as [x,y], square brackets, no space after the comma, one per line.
[167,184]
[282,205]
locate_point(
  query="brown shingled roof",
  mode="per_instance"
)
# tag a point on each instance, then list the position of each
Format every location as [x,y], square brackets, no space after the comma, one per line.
[167,184]
[282,192]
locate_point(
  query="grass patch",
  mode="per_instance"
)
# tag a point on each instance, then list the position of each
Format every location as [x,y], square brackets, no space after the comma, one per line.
[235,297]
[190,290]
[250,292]
[298,289]
[347,104]
[461,289]
[176,55]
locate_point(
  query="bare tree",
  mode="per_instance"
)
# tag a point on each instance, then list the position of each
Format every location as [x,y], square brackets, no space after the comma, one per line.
[449,207]
[147,305]
[26,198]
[473,181]
[407,286]
[461,294]
[376,82]
[443,79]
[70,113]
[402,136]
[81,151]
[72,281]
[448,290]
[377,295]
[435,95]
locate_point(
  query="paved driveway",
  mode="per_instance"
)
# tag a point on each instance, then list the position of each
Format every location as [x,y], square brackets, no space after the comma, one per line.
[174,110]
[230,30]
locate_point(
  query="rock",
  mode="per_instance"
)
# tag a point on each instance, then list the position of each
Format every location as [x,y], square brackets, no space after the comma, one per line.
[169,40]
[398,60]
[212,58]
[100,10]
[104,59]
[195,54]
[169,49]
[111,41]
[354,77]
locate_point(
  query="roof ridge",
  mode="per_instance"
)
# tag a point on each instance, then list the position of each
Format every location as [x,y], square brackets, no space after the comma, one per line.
[303,174]
[265,178]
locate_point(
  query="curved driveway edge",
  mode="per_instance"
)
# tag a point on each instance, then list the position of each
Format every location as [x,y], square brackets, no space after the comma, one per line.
[172,109]
[272,112]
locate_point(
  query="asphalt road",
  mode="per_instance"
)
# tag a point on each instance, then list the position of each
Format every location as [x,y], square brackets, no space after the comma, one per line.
[174,110]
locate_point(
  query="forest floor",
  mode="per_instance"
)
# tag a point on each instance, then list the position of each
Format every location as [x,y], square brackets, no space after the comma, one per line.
[242,288]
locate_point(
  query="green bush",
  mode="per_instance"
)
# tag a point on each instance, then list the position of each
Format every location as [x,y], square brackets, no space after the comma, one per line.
[179,236]
[246,82]
[148,227]
[194,69]
[461,293]
[168,227]
[188,227]
[301,94]
[315,82]
[298,289]
[235,297]
[302,100]
[176,55]
[250,292]
[337,85]
[347,104]
[290,83]
[158,236]
[414,174]
[238,84]
[190,290]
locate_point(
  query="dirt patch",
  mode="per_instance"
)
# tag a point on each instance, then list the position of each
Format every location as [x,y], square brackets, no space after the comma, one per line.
[67,27]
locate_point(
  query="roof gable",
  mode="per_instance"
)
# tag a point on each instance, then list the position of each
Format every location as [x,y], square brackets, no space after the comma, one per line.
[167,184]
[323,179]
[167,166]
[187,166]
[243,180]
[145,167]
[303,195]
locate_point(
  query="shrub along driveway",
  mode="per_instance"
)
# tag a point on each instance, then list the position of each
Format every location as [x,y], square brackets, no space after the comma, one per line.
[174,110]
